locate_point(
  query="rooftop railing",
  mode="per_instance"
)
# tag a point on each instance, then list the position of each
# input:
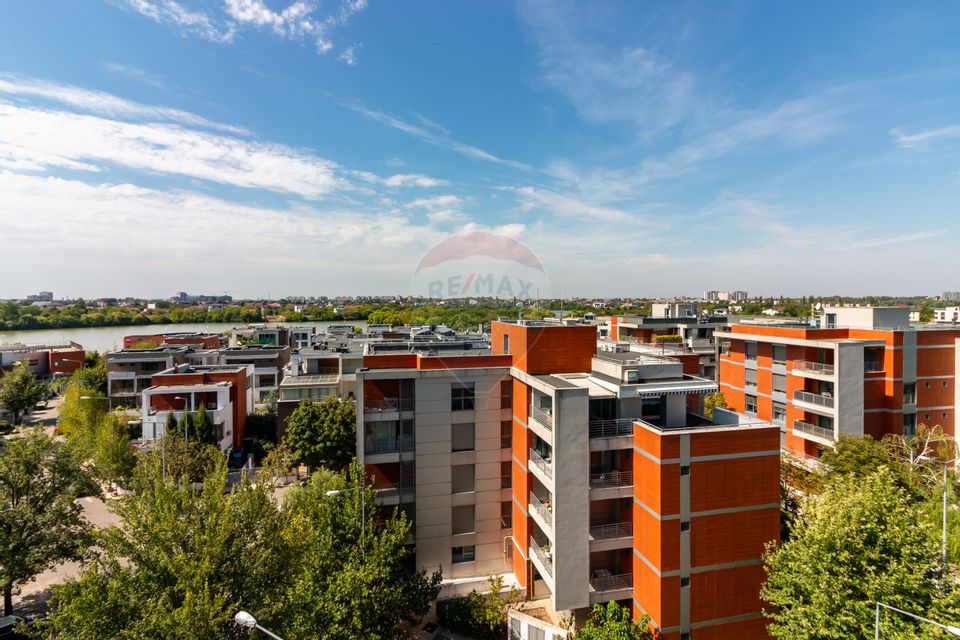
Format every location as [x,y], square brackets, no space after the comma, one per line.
[541,416]
[541,464]
[814,367]
[611,428]
[613,582]
[611,531]
[817,399]
[813,429]
[611,479]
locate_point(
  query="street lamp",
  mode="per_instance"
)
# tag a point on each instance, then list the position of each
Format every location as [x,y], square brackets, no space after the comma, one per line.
[944,463]
[247,621]
[876,633]
[363,515]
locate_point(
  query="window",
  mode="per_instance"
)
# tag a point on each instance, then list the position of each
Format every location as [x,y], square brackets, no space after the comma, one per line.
[506,393]
[750,381]
[535,633]
[464,519]
[779,413]
[506,434]
[462,437]
[461,478]
[909,424]
[506,514]
[909,393]
[464,554]
[780,382]
[779,354]
[685,470]
[685,526]
[461,397]
[685,636]
[750,351]
[943,415]
[684,582]
[506,474]
[751,402]
[506,343]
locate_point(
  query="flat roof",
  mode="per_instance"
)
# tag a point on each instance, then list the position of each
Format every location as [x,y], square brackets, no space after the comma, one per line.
[309,380]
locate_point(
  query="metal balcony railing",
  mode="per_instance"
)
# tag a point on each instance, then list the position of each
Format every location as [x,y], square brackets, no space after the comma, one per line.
[545,511]
[611,428]
[390,489]
[814,367]
[545,557]
[611,531]
[542,417]
[611,479]
[813,429]
[388,444]
[873,367]
[817,399]
[613,582]
[541,464]
[388,404]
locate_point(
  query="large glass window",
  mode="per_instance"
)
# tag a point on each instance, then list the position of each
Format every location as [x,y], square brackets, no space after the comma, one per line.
[461,397]
[464,554]
[909,393]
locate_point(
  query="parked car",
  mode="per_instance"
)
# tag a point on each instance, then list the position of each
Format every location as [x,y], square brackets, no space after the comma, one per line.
[8,624]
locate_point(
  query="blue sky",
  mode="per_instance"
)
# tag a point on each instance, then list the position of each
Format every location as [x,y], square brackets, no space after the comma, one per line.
[322,147]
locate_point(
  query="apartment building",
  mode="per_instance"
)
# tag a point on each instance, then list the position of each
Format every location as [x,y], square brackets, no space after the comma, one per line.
[673,330]
[44,360]
[590,476]
[273,336]
[862,370]
[950,296]
[268,361]
[131,371]
[225,392]
[328,367]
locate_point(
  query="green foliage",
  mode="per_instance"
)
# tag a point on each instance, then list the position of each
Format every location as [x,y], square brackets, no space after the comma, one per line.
[93,375]
[323,434]
[480,616]
[857,456]
[113,458]
[613,622]
[96,435]
[863,539]
[19,390]
[40,522]
[715,400]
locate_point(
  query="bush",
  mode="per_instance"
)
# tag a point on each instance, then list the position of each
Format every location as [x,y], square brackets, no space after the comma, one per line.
[479,616]
[5,427]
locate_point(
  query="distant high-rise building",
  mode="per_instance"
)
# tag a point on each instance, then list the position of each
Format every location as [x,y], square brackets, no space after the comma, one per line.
[43,296]
[950,296]
[738,296]
[711,296]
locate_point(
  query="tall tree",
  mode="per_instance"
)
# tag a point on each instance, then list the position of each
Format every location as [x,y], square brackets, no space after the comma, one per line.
[93,375]
[40,521]
[19,390]
[861,541]
[613,622]
[323,434]
[113,458]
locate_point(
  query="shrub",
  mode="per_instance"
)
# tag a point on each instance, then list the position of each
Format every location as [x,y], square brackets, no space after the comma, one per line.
[479,616]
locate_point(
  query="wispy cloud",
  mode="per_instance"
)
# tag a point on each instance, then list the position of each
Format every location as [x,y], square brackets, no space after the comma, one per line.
[434,135]
[413,180]
[434,202]
[534,198]
[926,138]
[105,104]
[302,19]
[349,55]
[135,73]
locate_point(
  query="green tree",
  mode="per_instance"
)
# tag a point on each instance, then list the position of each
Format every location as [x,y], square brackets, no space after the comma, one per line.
[323,434]
[40,521]
[855,455]
[480,616]
[113,458]
[93,375]
[353,582]
[613,622]
[19,390]
[861,541]
[715,400]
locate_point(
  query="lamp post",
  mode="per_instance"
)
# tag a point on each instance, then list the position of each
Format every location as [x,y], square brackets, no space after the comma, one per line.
[247,621]
[944,463]
[876,633]
[363,515]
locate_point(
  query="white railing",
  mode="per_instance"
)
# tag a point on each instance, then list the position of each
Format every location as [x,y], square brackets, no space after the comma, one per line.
[545,556]
[814,367]
[813,429]
[542,417]
[615,582]
[541,464]
[611,479]
[817,399]
[545,511]
[611,428]
[611,531]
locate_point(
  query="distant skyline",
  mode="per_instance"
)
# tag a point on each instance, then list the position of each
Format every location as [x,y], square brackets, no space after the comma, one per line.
[322,148]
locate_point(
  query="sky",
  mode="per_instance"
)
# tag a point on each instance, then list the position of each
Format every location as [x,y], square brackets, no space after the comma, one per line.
[322,147]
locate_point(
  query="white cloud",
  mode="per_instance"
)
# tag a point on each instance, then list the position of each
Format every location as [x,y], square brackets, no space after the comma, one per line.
[58,138]
[434,202]
[534,198]
[443,216]
[413,180]
[924,138]
[349,55]
[135,73]
[104,103]
[187,21]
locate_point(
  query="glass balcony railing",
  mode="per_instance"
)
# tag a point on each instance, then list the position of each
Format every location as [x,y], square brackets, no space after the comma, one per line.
[816,399]
[814,367]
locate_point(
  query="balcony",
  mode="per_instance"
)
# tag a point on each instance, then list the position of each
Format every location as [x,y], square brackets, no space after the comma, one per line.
[542,417]
[387,445]
[393,492]
[375,405]
[603,580]
[544,556]
[817,402]
[611,479]
[806,367]
[611,428]
[545,511]
[611,531]
[541,464]
[817,432]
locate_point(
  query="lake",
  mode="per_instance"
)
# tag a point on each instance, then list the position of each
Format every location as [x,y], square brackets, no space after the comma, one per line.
[111,338]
